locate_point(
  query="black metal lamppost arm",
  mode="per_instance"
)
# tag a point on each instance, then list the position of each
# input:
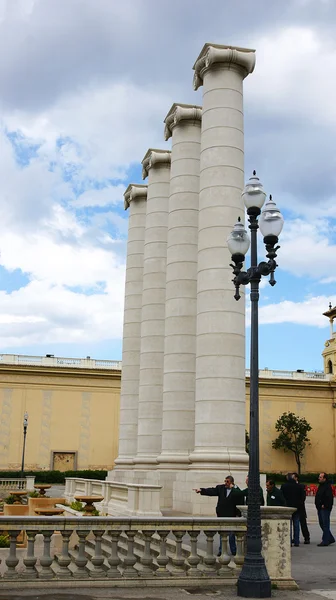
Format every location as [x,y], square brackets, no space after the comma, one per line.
[253,581]
[256,271]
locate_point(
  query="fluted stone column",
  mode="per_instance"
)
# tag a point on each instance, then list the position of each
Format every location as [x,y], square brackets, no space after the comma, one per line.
[135,199]
[220,353]
[156,165]
[183,124]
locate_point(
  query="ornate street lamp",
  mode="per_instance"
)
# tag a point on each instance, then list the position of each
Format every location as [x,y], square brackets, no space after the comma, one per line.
[25,425]
[254,581]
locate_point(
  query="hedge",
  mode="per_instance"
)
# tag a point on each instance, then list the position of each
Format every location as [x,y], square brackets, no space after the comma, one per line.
[304,477]
[54,476]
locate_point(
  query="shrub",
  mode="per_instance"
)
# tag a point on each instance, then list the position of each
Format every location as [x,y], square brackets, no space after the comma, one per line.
[55,477]
[304,477]
[10,500]
[34,494]
[4,540]
[76,505]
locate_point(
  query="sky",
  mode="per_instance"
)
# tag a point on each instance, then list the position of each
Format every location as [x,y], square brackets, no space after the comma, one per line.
[84,88]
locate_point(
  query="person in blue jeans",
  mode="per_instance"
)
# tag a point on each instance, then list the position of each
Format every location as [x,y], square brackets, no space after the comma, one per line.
[324,502]
[293,495]
[229,496]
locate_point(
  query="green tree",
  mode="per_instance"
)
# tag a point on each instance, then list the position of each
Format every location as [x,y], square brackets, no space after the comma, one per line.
[292,436]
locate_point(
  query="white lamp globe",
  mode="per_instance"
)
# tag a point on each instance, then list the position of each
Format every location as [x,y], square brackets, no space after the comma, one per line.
[238,241]
[253,193]
[271,220]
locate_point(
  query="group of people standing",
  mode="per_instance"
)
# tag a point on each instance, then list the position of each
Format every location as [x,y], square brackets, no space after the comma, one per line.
[292,493]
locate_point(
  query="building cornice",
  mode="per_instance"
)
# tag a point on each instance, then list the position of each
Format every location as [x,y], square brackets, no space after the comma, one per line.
[154,157]
[135,191]
[57,372]
[180,113]
[231,57]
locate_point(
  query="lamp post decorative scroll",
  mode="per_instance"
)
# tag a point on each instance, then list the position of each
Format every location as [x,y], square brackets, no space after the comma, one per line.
[254,581]
[25,426]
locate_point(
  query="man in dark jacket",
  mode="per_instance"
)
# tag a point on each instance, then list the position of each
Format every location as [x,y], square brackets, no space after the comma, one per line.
[302,511]
[294,497]
[274,495]
[245,495]
[324,502]
[229,496]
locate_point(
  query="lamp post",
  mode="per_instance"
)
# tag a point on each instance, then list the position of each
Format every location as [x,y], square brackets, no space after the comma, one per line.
[25,425]
[254,581]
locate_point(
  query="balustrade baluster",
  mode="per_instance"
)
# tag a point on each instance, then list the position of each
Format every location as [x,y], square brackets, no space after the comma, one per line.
[224,558]
[114,560]
[147,559]
[98,559]
[179,563]
[130,558]
[46,560]
[30,559]
[64,559]
[209,561]
[162,559]
[81,560]
[12,560]
[193,558]
[239,558]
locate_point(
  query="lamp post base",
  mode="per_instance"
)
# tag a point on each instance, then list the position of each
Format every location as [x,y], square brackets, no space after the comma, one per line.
[253,581]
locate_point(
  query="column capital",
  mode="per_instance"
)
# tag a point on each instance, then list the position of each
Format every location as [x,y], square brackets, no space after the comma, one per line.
[232,57]
[181,112]
[154,157]
[135,191]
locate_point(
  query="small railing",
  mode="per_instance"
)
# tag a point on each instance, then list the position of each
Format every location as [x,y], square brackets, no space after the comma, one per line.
[118,550]
[9,483]
[274,374]
[13,484]
[59,361]
[126,499]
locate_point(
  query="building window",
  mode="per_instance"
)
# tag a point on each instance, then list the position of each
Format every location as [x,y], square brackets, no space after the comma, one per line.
[330,366]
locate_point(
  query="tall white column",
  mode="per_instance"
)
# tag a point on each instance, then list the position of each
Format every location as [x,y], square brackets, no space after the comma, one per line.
[183,124]
[135,199]
[220,352]
[156,165]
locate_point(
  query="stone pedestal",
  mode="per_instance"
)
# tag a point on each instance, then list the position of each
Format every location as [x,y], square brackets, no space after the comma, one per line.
[135,199]
[156,165]
[220,346]
[276,544]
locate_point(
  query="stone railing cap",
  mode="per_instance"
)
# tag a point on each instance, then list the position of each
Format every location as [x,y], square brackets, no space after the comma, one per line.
[272,512]
[243,58]
[154,157]
[179,113]
[134,191]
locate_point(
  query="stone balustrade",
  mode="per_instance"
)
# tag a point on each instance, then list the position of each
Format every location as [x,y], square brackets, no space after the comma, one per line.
[118,550]
[127,551]
[300,374]
[59,361]
[141,500]
[12,483]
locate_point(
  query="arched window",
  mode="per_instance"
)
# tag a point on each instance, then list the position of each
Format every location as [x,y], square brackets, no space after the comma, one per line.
[330,366]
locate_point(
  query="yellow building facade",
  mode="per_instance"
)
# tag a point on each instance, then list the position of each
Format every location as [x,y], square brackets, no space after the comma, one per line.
[73,412]
[73,408]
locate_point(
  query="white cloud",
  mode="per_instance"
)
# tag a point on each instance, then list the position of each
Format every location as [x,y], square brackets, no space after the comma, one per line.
[295,73]
[309,312]
[103,130]
[45,313]
[103,197]
[307,249]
